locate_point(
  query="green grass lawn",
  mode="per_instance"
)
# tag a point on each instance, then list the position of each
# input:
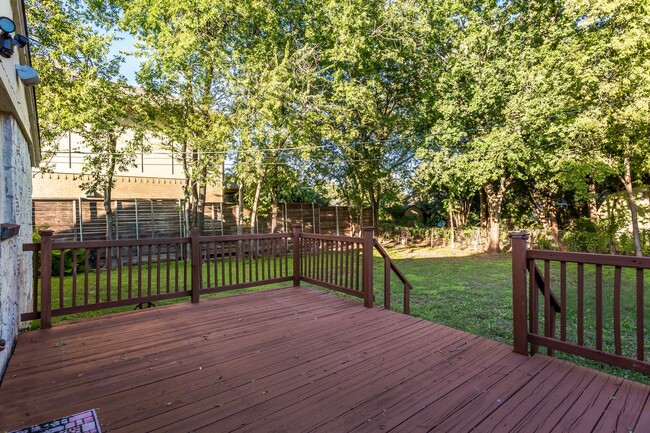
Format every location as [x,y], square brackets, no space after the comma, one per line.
[474,293]
[471,293]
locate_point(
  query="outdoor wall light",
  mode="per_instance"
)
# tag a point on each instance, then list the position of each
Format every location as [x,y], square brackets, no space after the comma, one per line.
[7,26]
[28,75]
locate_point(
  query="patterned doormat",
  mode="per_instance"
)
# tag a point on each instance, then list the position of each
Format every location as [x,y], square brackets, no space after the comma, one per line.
[84,422]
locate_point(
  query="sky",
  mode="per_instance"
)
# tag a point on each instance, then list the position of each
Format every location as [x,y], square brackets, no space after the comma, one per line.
[123,47]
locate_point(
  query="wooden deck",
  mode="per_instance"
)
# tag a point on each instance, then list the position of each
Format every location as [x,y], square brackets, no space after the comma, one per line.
[299,360]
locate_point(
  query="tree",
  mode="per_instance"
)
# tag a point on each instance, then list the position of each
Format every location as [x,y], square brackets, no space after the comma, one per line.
[82,92]
[609,69]
[185,75]
[376,65]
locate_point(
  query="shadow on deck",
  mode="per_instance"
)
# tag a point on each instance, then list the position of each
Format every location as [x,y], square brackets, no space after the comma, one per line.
[298,359]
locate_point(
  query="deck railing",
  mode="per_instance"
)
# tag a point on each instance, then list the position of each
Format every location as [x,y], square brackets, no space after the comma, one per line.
[94,275]
[601,305]
[389,265]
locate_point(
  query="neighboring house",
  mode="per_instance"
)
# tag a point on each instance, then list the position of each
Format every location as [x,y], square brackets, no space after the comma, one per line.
[20,152]
[157,174]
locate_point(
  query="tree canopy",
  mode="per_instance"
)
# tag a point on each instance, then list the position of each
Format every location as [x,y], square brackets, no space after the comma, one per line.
[518,110]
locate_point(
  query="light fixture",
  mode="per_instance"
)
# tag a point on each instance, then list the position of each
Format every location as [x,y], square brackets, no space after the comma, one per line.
[27,75]
[6,48]
[6,26]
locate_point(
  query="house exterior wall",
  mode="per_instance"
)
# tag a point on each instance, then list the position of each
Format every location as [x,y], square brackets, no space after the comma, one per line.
[156,174]
[67,186]
[15,208]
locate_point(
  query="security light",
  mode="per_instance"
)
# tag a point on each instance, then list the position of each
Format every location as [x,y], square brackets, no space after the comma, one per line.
[6,26]
[6,48]
[21,41]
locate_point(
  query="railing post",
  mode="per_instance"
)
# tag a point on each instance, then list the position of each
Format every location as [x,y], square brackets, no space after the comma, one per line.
[519,302]
[196,264]
[366,283]
[297,241]
[46,278]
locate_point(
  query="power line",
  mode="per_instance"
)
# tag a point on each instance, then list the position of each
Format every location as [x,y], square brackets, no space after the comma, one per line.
[405,138]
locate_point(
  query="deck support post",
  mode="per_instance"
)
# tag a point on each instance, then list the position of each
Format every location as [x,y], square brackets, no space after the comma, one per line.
[196,264]
[297,230]
[366,282]
[46,278]
[519,302]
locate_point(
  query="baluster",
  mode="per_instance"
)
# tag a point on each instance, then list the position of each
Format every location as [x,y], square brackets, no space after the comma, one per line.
[98,265]
[533,303]
[86,275]
[109,262]
[74,277]
[177,247]
[119,273]
[563,301]
[617,310]
[599,307]
[548,314]
[61,274]
[581,305]
[130,271]
[149,261]
[168,266]
[207,263]
[387,283]
[639,315]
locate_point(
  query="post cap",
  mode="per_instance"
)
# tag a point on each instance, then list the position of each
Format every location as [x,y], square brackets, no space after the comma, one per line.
[368,229]
[46,232]
[296,226]
[519,235]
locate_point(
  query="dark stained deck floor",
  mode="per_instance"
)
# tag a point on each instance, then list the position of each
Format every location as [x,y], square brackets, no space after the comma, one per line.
[300,360]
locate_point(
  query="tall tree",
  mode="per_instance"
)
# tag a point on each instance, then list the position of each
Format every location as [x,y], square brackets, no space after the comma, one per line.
[609,68]
[185,75]
[82,91]
[376,65]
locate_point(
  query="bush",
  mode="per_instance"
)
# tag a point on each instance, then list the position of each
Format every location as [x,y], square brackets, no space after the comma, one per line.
[586,236]
[68,259]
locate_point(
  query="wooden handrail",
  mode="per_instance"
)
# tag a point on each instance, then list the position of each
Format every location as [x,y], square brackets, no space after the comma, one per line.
[113,273]
[541,285]
[390,265]
[589,291]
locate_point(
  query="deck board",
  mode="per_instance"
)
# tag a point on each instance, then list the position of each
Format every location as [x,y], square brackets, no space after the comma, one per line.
[298,359]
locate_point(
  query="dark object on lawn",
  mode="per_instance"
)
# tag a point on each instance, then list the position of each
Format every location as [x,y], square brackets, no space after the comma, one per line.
[143,305]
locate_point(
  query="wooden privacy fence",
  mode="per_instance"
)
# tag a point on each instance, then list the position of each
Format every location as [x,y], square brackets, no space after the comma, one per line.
[76,277]
[84,219]
[600,312]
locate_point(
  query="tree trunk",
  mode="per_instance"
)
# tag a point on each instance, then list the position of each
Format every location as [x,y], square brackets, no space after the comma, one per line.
[592,204]
[483,216]
[627,182]
[374,204]
[200,206]
[110,220]
[274,214]
[240,209]
[451,225]
[108,193]
[494,203]
[256,201]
